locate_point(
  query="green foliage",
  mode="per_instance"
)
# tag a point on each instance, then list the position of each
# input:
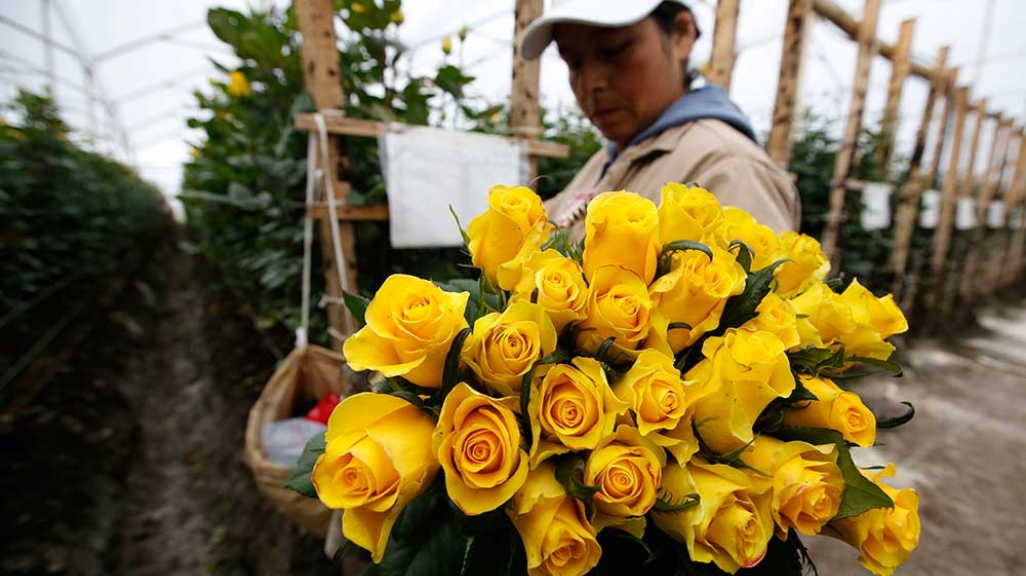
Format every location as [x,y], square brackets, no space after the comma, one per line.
[301,480]
[71,217]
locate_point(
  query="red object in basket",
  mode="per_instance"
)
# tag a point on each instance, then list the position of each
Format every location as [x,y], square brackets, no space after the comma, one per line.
[322,410]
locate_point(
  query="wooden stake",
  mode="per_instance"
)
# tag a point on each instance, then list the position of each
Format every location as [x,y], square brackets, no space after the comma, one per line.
[1005,267]
[942,237]
[945,123]
[995,260]
[524,111]
[850,26]
[970,288]
[322,79]
[846,154]
[911,192]
[799,22]
[721,65]
[899,72]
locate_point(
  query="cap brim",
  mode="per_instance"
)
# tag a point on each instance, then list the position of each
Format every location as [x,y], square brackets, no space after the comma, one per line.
[602,13]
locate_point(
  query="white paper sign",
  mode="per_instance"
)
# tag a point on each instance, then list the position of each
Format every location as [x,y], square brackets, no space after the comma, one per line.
[965,214]
[996,214]
[929,214]
[428,169]
[876,205]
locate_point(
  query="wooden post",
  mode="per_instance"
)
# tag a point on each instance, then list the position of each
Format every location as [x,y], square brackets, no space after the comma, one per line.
[846,154]
[899,72]
[912,191]
[524,111]
[721,64]
[991,182]
[799,22]
[942,237]
[322,79]
[1004,266]
[945,124]
[992,270]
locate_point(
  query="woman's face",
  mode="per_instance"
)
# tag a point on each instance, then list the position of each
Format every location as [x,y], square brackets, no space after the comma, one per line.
[624,78]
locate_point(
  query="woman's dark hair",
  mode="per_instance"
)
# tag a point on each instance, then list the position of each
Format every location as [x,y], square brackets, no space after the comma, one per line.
[665,15]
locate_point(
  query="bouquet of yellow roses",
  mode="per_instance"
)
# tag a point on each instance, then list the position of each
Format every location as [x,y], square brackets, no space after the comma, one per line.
[659,397]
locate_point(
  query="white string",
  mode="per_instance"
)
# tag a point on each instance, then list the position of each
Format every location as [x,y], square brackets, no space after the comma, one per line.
[311,176]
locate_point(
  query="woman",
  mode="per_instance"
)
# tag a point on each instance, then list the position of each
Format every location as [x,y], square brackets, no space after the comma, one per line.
[628,71]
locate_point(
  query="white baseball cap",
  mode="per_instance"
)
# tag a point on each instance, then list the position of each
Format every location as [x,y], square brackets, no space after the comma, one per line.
[604,13]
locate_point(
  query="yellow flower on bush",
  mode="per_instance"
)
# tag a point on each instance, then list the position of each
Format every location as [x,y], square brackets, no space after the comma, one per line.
[238,86]
[806,264]
[694,292]
[687,213]
[377,458]
[621,229]
[447,45]
[397,17]
[477,441]
[731,525]
[505,346]
[777,316]
[627,469]
[661,402]
[557,536]
[557,283]
[884,537]
[739,225]
[411,324]
[619,307]
[806,483]
[835,409]
[572,408]
[508,233]
[741,373]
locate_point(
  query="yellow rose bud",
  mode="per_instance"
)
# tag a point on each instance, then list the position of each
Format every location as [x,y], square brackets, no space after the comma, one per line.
[777,316]
[806,483]
[687,213]
[512,229]
[359,8]
[695,291]
[740,225]
[477,442]
[572,408]
[662,403]
[882,314]
[621,228]
[619,307]
[397,17]
[627,469]
[447,45]
[504,347]
[731,525]
[411,324]
[742,372]
[559,285]
[884,537]
[557,537]
[238,86]
[806,264]
[835,409]
[376,460]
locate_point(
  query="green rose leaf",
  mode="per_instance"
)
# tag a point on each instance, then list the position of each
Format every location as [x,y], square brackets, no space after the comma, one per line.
[300,479]
[741,308]
[426,540]
[357,306]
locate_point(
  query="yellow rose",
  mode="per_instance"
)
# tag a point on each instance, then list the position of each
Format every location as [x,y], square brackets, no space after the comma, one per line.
[731,525]
[514,227]
[687,213]
[505,346]
[777,316]
[238,86]
[557,537]
[662,403]
[806,264]
[742,372]
[835,409]
[376,460]
[627,469]
[884,537]
[557,283]
[572,408]
[695,291]
[882,314]
[447,45]
[827,313]
[621,228]
[477,442]
[806,483]
[410,325]
[618,307]
[853,320]
[740,225]
[397,17]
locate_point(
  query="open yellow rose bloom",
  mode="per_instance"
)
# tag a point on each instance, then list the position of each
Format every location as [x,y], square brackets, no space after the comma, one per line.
[670,381]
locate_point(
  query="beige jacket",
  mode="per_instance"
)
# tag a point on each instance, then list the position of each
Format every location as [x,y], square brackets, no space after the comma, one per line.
[710,153]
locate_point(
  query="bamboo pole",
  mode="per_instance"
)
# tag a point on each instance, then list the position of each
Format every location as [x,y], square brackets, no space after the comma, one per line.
[322,79]
[996,253]
[945,122]
[969,289]
[797,29]
[849,143]
[524,111]
[942,237]
[911,192]
[899,72]
[850,26]
[1005,266]
[721,64]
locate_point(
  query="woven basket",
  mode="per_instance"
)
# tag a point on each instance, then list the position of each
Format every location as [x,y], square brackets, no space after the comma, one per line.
[304,374]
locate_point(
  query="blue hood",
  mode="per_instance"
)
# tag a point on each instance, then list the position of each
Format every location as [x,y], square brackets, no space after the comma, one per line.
[707,102]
